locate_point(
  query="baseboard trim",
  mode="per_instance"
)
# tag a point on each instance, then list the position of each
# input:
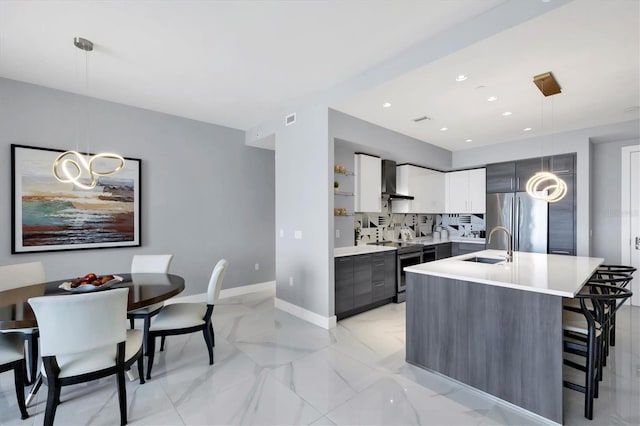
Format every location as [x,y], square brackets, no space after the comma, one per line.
[246,289]
[315,319]
[224,293]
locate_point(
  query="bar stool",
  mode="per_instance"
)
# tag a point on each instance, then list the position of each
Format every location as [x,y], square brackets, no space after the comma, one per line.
[584,334]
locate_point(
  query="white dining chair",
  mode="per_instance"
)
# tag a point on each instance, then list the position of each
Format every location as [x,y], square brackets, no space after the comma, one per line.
[83,337]
[185,318]
[148,263]
[12,358]
[21,275]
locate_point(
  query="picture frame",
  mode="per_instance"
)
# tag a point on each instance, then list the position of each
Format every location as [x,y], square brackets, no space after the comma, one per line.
[48,215]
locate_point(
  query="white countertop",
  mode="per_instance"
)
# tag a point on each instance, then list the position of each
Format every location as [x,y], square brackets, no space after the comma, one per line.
[353,250]
[542,273]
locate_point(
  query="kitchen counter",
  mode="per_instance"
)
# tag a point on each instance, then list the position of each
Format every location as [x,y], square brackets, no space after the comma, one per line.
[354,250]
[495,327]
[542,273]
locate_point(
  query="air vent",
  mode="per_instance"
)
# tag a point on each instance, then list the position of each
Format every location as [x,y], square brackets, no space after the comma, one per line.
[290,119]
[419,119]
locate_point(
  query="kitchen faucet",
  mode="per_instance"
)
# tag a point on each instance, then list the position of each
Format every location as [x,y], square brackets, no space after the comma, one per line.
[509,241]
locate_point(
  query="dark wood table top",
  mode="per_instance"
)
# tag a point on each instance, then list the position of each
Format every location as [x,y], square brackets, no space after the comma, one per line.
[144,290]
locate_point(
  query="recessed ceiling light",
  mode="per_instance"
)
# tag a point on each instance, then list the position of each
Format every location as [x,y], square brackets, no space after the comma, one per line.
[444,129]
[526,129]
[492,98]
[461,77]
[507,113]
[469,140]
[386,105]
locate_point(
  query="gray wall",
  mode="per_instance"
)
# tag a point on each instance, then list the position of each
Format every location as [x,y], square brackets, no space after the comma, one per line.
[375,140]
[205,194]
[605,211]
[304,182]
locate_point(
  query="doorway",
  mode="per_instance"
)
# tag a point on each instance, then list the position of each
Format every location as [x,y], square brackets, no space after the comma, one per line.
[630,214]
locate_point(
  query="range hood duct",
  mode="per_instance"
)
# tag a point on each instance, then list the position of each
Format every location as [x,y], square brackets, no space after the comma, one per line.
[389,182]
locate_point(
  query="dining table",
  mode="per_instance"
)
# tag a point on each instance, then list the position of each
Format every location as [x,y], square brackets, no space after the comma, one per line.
[144,289]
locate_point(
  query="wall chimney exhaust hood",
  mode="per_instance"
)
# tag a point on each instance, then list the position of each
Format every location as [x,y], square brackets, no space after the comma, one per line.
[389,182]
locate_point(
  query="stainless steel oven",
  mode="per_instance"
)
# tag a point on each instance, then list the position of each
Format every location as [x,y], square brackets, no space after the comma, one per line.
[406,256]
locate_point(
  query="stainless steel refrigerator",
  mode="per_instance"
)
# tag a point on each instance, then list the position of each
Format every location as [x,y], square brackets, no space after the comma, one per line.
[524,216]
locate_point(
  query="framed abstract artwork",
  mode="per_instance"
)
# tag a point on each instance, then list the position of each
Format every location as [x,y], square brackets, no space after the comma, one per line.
[48,215]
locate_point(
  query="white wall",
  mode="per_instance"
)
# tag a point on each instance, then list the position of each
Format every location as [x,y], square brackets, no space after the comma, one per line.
[605,211]
[205,195]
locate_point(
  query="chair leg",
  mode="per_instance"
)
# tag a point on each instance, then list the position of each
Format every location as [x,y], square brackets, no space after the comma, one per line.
[213,335]
[590,379]
[147,324]
[162,343]
[122,396]
[140,363]
[53,396]
[19,374]
[151,346]
[612,336]
[207,339]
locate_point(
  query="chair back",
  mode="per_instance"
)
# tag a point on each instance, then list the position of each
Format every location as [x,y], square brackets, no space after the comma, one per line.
[77,323]
[21,275]
[151,263]
[215,283]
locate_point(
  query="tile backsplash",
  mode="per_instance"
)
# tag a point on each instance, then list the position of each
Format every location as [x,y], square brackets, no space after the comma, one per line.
[387,226]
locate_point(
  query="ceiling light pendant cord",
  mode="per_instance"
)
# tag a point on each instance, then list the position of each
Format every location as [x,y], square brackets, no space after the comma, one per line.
[546,185]
[71,166]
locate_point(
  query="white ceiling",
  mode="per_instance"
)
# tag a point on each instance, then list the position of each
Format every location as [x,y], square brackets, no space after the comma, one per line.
[591,46]
[238,63]
[232,63]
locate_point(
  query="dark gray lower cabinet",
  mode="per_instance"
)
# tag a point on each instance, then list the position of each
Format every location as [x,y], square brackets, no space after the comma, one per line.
[364,282]
[443,251]
[362,285]
[390,276]
[465,248]
[344,283]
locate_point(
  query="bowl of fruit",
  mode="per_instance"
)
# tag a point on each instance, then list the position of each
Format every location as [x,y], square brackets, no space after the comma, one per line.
[91,282]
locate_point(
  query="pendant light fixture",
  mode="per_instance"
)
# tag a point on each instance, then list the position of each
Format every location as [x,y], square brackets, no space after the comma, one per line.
[73,166]
[545,185]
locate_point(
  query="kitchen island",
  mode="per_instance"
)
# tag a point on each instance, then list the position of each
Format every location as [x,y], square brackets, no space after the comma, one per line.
[496,327]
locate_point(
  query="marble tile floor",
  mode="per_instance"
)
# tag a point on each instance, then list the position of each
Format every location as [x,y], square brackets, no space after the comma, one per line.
[274,369]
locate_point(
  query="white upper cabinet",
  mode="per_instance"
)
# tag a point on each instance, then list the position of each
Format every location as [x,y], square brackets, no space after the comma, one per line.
[368,183]
[477,190]
[465,191]
[425,185]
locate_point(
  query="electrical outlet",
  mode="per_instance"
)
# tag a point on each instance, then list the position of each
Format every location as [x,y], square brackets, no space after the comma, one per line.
[297,235]
[337,233]
[291,281]
[281,233]
[257,266]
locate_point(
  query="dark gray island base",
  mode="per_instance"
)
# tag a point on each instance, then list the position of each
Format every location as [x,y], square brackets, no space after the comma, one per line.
[503,341]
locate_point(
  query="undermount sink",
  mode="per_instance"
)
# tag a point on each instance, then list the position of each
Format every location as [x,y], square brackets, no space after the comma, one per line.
[477,259]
